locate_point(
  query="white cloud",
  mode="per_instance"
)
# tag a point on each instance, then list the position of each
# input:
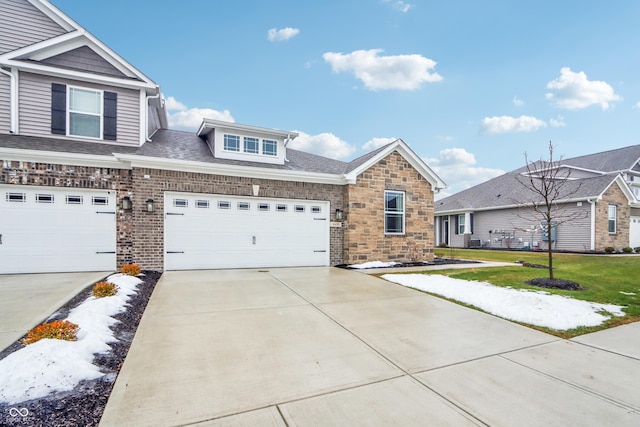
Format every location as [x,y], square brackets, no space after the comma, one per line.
[517,102]
[324,144]
[574,91]
[183,118]
[404,72]
[399,5]
[375,143]
[282,34]
[637,106]
[456,166]
[506,124]
[557,123]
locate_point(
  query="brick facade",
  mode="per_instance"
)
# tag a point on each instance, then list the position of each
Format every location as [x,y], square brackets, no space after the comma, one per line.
[364,238]
[619,239]
[148,235]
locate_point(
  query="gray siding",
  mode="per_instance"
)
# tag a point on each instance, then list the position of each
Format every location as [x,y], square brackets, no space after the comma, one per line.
[571,236]
[5,104]
[84,59]
[35,107]
[21,25]
[153,121]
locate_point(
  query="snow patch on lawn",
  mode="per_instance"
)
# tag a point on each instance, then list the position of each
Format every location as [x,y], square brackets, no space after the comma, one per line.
[50,365]
[374,264]
[532,307]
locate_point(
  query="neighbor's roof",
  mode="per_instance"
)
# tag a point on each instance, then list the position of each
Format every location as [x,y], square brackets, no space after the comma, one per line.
[508,190]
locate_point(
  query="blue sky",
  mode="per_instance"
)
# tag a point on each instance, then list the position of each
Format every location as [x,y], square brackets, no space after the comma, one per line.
[469,85]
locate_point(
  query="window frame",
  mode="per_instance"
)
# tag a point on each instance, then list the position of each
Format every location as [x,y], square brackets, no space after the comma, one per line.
[250,140]
[395,213]
[269,142]
[227,143]
[100,114]
[460,224]
[612,221]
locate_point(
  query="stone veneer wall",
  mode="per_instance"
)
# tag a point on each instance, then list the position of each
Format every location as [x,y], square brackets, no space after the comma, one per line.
[148,231]
[364,238]
[89,177]
[619,239]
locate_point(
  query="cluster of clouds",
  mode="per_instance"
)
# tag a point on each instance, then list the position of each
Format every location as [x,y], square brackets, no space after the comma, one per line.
[570,91]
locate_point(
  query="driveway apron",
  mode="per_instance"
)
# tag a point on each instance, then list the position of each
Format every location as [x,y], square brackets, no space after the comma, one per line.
[28,299]
[326,346]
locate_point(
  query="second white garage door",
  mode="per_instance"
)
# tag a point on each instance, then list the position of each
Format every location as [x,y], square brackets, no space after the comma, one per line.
[204,231]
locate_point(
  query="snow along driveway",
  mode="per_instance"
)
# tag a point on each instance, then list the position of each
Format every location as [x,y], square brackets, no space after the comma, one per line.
[537,308]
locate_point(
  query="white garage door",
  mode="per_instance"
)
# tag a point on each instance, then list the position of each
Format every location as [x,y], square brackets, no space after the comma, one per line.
[205,231]
[45,229]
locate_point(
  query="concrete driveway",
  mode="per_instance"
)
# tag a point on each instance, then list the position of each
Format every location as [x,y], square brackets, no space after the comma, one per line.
[325,346]
[28,299]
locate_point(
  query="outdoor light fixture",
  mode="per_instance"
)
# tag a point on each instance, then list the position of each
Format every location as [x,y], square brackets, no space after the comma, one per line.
[339,214]
[150,204]
[126,203]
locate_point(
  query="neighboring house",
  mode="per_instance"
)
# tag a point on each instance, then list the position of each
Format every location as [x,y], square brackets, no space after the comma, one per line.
[602,191]
[91,178]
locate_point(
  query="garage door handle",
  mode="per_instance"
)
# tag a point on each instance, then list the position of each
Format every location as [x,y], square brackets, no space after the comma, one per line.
[0,239]
[254,240]
[319,219]
[105,212]
[106,252]
[320,251]
[175,252]
[173,213]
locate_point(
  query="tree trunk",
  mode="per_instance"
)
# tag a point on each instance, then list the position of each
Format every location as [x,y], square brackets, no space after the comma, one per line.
[550,249]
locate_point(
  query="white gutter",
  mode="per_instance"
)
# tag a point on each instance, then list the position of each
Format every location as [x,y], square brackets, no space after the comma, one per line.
[146,113]
[13,99]
[64,158]
[593,224]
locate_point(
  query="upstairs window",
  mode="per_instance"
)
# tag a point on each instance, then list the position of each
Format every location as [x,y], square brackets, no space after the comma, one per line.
[231,142]
[269,147]
[394,212]
[85,112]
[251,145]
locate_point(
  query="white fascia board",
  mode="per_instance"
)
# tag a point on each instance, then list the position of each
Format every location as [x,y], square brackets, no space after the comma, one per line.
[513,206]
[55,14]
[229,170]
[208,124]
[626,190]
[63,158]
[403,149]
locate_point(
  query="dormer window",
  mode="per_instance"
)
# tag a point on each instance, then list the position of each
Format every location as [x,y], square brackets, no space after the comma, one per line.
[269,147]
[231,143]
[251,145]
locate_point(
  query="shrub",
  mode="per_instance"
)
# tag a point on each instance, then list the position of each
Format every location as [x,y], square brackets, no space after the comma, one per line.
[58,329]
[637,249]
[627,250]
[609,249]
[104,289]
[442,245]
[130,269]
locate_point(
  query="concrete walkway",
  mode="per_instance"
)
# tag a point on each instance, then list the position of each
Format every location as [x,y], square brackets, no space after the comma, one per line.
[326,346]
[28,299]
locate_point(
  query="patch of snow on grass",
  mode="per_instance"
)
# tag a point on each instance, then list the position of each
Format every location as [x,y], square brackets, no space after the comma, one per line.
[532,307]
[627,293]
[51,365]
[373,264]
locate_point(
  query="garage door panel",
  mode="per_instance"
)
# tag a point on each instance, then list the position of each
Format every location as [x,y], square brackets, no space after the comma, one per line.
[236,232]
[57,230]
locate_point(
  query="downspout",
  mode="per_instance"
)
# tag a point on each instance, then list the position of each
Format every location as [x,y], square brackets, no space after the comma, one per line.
[593,223]
[13,101]
[146,115]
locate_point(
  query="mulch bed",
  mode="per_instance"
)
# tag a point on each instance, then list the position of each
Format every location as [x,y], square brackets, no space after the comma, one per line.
[83,406]
[545,282]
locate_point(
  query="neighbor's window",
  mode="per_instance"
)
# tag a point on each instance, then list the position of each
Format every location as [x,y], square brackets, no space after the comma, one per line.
[251,145]
[612,218]
[85,112]
[393,212]
[231,142]
[269,147]
[460,224]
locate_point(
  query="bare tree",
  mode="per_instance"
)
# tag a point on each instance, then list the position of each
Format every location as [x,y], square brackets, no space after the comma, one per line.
[549,188]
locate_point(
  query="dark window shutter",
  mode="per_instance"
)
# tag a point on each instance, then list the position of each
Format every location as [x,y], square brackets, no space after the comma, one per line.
[58,109]
[110,115]
[457,224]
[471,229]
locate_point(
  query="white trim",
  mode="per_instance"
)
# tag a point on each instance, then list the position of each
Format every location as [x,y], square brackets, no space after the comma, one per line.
[208,125]
[404,213]
[99,115]
[229,170]
[64,158]
[55,15]
[593,224]
[13,99]
[403,149]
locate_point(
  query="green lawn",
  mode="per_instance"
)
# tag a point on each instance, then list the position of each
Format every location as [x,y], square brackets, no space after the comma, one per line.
[607,279]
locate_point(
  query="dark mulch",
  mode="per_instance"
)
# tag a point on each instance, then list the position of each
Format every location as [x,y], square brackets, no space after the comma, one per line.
[545,282]
[83,406]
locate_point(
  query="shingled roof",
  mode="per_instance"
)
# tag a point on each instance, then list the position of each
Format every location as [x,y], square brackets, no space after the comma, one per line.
[508,190]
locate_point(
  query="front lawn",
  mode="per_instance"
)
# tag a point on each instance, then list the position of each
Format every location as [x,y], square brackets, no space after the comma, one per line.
[606,279]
